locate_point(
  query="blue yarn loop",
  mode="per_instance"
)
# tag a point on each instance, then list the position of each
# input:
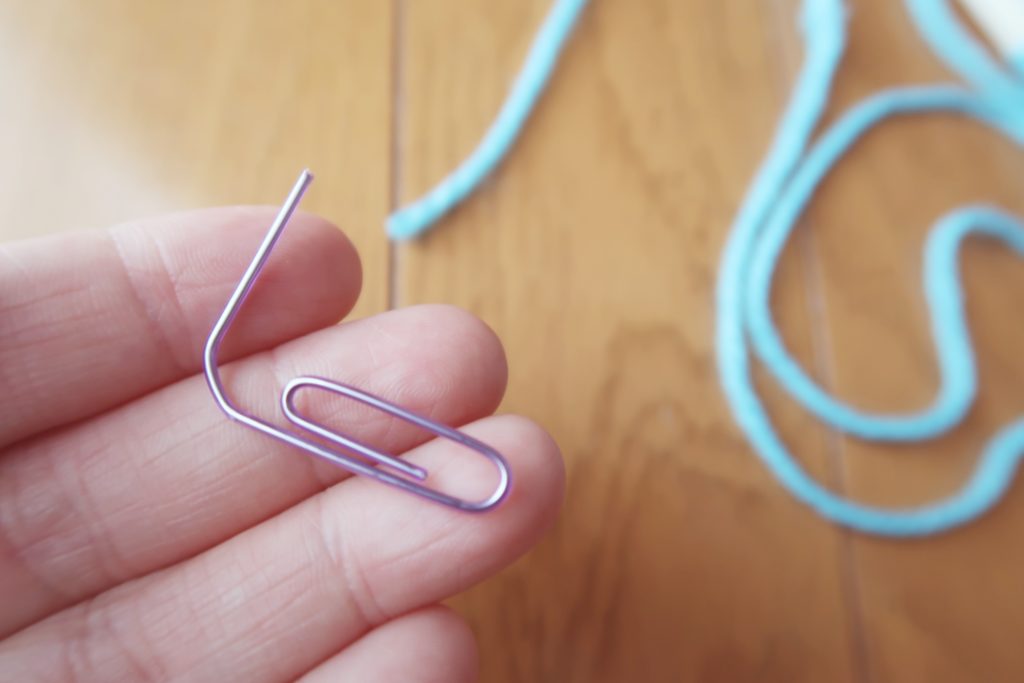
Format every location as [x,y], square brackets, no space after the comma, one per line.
[781,190]
[415,218]
[789,175]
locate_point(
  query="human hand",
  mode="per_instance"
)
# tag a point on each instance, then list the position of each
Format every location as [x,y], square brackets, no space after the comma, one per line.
[144,536]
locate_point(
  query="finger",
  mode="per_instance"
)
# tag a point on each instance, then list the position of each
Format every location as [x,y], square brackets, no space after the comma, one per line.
[90,320]
[277,599]
[168,476]
[432,645]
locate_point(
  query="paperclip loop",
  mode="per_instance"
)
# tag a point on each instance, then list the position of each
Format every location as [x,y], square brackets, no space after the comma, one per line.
[412,474]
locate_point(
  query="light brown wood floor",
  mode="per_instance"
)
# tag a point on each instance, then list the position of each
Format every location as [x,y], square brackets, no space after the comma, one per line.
[593,252]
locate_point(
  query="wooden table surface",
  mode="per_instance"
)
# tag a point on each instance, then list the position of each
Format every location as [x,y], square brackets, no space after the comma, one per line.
[593,252]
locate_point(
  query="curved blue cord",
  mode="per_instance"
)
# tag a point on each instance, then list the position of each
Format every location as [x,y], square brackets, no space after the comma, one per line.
[780,192]
[789,175]
[421,214]
[954,351]
[950,42]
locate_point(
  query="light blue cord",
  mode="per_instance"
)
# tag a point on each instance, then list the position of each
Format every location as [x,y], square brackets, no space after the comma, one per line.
[420,215]
[781,190]
[784,185]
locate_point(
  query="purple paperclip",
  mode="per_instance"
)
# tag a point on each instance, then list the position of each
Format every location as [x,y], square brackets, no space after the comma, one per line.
[348,462]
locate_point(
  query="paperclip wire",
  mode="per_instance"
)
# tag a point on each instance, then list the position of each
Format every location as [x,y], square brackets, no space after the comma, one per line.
[420,215]
[347,462]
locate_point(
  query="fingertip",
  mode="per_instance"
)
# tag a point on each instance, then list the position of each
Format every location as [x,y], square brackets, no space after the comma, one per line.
[430,645]
[311,279]
[316,254]
[456,645]
[538,472]
[435,538]
[475,338]
[441,354]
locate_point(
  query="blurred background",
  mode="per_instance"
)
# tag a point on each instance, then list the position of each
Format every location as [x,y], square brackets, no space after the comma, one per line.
[593,252]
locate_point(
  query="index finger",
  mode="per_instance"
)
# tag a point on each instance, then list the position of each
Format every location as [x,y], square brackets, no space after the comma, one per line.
[91,320]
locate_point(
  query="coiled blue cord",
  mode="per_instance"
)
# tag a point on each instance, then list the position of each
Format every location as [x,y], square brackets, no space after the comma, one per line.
[423,213]
[789,175]
[781,190]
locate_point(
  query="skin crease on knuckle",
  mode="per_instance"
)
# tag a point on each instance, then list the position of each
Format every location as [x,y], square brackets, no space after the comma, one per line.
[50,527]
[433,645]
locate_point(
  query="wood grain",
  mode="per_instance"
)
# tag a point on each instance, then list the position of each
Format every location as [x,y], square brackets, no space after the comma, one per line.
[943,609]
[594,252]
[115,109]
